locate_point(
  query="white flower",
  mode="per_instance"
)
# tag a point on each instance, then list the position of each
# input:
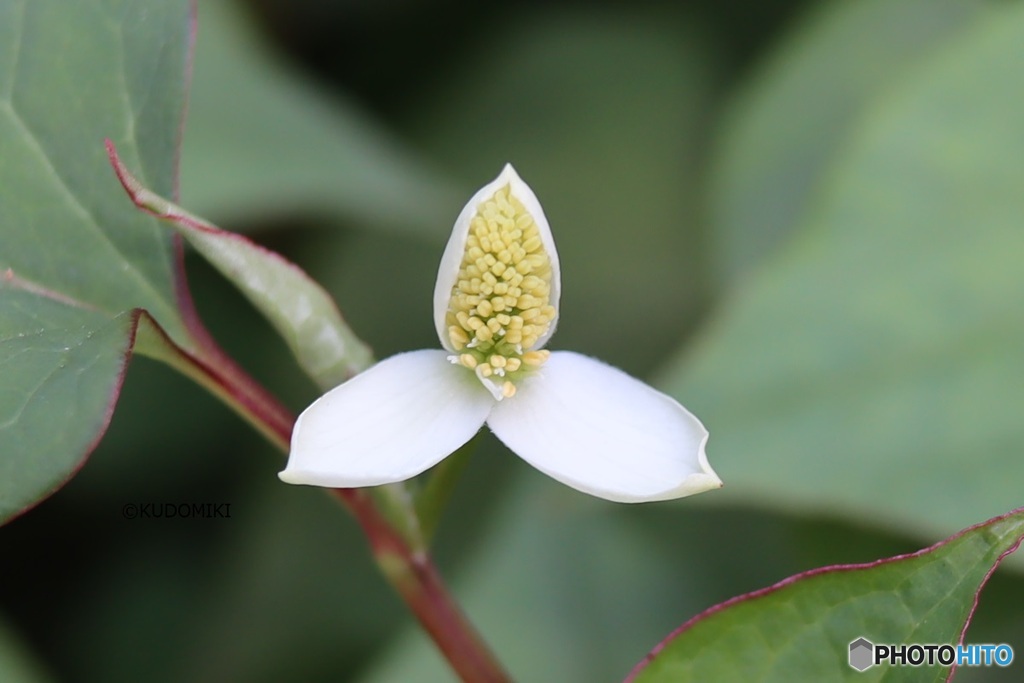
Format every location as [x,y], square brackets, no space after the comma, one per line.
[576,419]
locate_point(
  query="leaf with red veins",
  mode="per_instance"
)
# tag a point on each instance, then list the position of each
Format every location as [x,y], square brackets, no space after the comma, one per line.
[86,278]
[801,628]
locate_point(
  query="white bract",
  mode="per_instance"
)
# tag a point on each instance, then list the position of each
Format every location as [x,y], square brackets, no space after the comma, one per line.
[580,421]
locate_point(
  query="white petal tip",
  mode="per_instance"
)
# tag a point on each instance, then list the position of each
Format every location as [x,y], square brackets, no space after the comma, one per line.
[301,478]
[329,480]
[508,173]
[692,485]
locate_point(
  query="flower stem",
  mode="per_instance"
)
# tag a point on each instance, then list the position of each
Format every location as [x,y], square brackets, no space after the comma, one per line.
[404,562]
[416,579]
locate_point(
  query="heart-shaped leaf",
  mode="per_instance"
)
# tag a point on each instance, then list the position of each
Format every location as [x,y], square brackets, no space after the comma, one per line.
[801,629]
[77,261]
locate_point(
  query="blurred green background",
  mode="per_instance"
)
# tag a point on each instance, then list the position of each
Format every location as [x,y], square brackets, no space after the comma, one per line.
[803,219]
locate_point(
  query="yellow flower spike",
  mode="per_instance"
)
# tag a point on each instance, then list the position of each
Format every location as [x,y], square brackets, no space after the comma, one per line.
[496,305]
[503,226]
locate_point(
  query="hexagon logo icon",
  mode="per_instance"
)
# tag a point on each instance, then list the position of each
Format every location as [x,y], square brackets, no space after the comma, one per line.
[861,654]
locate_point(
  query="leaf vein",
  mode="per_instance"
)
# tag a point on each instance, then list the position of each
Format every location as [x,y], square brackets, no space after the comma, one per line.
[87,217]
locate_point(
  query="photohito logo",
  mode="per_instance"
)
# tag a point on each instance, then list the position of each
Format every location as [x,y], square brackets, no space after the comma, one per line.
[864,654]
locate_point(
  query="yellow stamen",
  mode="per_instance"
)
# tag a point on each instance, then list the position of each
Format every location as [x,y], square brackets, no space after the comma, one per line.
[536,358]
[500,306]
[458,336]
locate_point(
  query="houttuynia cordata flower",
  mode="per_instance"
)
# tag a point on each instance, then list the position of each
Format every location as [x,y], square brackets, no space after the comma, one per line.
[496,300]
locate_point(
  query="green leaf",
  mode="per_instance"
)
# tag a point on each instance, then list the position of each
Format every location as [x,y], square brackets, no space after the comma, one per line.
[872,369]
[786,128]
[57,359]
[75,257]
[298,308]
[800,629]
[70,76]
[274,143]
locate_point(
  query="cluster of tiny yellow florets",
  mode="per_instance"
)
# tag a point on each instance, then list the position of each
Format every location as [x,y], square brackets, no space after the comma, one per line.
[500,304]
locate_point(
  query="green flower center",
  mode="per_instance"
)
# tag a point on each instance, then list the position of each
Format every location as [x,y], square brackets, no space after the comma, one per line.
[500,305]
